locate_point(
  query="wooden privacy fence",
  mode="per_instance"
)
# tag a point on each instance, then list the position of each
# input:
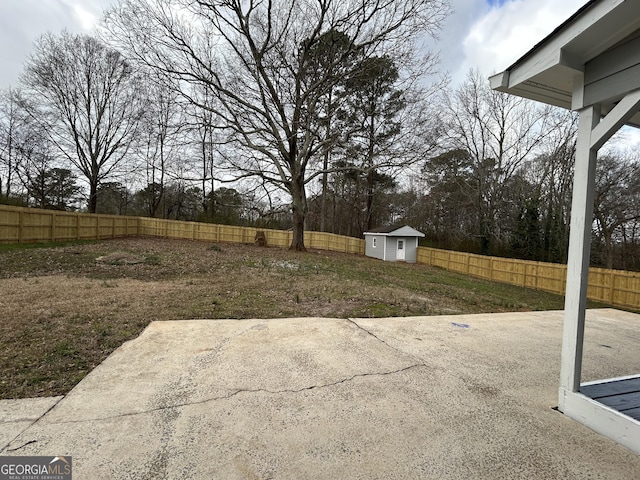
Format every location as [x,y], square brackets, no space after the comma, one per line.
[614,287]
[24,225]
[210,232]
[18,225]
[539,275]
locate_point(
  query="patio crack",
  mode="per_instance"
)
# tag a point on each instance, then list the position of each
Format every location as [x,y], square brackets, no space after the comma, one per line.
[369,332]
[325,385]
[248,390]
[5,447]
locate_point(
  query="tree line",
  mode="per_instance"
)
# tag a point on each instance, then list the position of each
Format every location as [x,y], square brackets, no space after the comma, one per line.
[300,114]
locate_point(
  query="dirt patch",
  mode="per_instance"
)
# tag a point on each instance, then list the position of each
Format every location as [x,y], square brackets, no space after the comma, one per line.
[120,258]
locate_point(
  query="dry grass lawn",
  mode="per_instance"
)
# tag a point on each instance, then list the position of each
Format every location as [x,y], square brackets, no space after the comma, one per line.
[65,308]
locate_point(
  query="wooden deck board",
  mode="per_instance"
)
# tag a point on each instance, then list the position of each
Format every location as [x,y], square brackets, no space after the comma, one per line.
[607,389]
[621,395]
[633,413]
[623,402]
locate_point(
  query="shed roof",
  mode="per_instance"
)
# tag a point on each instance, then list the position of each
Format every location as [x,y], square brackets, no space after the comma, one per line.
[599,44]
[395,231]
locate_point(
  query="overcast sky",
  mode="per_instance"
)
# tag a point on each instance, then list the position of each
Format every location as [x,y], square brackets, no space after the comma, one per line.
[485,34]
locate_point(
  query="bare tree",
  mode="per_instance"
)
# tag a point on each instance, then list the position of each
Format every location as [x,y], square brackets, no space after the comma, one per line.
[160,133]
[551,175]
[88,96]
[205,142]
[499,132]
[254,57]
[616,199]
[13,137]
[25,150]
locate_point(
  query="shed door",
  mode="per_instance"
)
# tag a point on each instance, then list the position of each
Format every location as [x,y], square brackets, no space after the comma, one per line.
[401,248]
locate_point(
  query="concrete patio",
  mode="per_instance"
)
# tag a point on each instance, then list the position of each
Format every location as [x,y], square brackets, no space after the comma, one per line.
[446,397]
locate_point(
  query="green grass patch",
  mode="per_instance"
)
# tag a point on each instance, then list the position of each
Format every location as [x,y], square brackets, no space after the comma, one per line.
[12,247]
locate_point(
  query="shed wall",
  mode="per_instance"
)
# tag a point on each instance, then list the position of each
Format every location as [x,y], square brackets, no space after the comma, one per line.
[392,249]
[411,252]
[391,243]
[410,249]
[378,250]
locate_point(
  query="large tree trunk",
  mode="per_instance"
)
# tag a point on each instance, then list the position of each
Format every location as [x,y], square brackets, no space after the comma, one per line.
[609,251]
[607,233]
[93,197]
[323,206]
[325,165]
[370,192]
[299,205]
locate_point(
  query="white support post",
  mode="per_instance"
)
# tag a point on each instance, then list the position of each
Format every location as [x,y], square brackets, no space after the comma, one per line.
[592,134]
[579,250]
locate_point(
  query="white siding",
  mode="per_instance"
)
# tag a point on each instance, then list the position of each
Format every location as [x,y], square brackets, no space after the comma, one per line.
[378,250]
[392,247]
[411,252]
[387,247]
[410,249]
[612,74]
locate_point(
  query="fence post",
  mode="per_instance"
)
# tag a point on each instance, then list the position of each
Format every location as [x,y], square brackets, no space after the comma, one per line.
[53,226]
[20,226]
[611,286]
[77,226]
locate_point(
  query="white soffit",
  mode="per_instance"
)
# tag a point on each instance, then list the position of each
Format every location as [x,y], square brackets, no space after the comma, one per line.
[599,45]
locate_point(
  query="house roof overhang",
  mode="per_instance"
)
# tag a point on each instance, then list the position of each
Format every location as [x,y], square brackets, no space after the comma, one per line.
[592,58]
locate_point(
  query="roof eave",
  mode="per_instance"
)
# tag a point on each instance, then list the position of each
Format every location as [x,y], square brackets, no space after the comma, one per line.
[547,72]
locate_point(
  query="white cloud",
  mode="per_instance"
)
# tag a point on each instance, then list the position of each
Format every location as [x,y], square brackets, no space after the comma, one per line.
[503,33]
[477,35]
[455,29]
[85,18]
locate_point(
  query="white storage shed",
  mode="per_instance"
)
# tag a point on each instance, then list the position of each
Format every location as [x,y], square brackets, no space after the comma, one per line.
[393,244]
